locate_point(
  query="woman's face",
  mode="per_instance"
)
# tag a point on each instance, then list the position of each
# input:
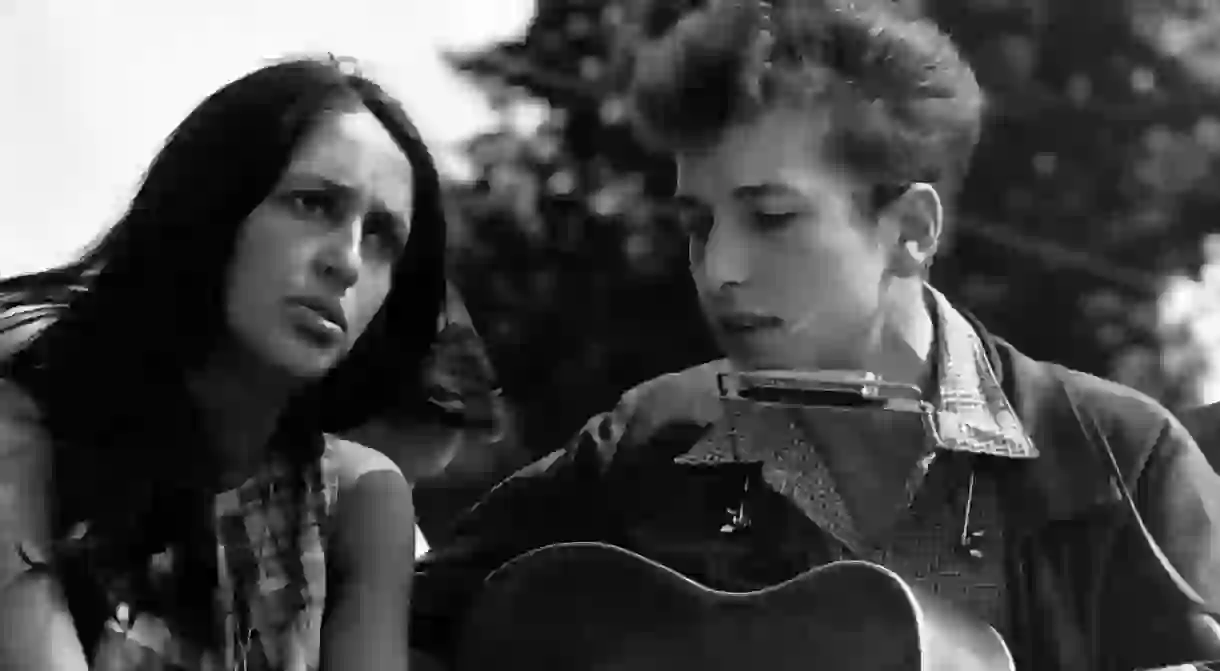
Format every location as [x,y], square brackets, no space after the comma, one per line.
[313,262]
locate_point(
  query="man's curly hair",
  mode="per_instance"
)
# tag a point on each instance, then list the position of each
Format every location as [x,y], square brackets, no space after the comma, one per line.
[904,106]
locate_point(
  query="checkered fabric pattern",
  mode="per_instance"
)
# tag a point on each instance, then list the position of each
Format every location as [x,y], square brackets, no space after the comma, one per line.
[271,599]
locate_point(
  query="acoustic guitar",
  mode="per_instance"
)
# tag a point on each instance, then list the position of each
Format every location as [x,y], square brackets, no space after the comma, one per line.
[590,606]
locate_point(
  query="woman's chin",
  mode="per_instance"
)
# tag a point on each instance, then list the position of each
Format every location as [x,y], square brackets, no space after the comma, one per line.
[305,364]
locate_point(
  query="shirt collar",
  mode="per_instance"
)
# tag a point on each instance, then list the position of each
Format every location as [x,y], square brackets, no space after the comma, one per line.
[971,411]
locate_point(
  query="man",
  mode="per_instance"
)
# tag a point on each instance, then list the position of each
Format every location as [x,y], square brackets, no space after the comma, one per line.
[818,144]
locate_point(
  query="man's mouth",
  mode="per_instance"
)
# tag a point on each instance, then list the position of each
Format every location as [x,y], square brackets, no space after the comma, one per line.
[748,322]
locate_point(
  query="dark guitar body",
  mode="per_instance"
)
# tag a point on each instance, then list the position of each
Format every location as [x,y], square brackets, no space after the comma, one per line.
[588,606]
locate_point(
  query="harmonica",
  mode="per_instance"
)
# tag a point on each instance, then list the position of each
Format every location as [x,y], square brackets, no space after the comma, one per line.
[821,389]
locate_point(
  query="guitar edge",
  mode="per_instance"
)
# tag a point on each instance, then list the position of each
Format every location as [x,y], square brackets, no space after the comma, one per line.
[590,606]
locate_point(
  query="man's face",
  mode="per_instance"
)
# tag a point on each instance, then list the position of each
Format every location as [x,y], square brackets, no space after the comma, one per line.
[788,273]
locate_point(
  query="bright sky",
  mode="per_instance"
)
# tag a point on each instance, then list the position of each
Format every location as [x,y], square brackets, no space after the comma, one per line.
[92,87]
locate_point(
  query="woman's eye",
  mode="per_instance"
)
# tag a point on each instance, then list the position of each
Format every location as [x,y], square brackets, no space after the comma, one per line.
[387,232]
[313,203]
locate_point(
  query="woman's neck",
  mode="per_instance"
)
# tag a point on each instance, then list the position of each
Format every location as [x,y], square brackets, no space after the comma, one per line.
[240,403]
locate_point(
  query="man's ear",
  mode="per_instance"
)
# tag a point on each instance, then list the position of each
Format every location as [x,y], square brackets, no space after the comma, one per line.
[918,219]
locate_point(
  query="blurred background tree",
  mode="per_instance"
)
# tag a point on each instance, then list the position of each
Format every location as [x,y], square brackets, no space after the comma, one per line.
[1095,182]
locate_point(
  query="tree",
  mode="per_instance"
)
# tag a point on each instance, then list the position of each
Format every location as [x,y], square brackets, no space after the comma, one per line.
[566,254]
[1078,202]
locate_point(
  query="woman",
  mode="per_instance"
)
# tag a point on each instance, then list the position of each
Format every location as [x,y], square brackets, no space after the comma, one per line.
[178,501]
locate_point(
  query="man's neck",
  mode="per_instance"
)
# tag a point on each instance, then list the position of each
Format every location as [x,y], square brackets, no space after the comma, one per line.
[907,337]
[872,461]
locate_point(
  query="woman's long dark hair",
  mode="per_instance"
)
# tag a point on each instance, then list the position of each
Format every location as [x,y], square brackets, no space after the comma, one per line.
[145,305]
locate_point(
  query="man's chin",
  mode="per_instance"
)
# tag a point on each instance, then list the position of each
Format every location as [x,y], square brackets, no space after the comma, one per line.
[754,358]
[747,358]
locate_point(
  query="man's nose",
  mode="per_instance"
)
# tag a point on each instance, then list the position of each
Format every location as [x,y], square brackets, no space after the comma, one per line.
[725,256]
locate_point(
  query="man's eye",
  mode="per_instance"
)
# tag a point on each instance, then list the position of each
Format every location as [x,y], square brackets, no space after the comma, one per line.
[773,219]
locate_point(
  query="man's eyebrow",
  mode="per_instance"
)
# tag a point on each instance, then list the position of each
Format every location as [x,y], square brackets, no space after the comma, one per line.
[764,190]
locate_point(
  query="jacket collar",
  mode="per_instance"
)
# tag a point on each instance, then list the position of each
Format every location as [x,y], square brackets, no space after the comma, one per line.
[1071,476]
[972,412]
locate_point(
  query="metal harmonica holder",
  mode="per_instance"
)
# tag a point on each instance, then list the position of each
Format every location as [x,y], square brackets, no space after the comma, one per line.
[821,389]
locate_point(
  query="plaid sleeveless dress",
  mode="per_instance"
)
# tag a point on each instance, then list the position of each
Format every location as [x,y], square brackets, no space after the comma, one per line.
[270,598]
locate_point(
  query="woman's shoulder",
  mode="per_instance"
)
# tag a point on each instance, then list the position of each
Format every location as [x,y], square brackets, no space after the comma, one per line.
[24,479]
[374,515]
[16,404]
[22,435]
[347,462]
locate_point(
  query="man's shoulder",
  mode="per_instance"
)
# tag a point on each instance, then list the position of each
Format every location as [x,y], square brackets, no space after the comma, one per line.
[688,395]
[1130,422]
[1115,403]
[1203,423]
[678,405]
[685,402]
